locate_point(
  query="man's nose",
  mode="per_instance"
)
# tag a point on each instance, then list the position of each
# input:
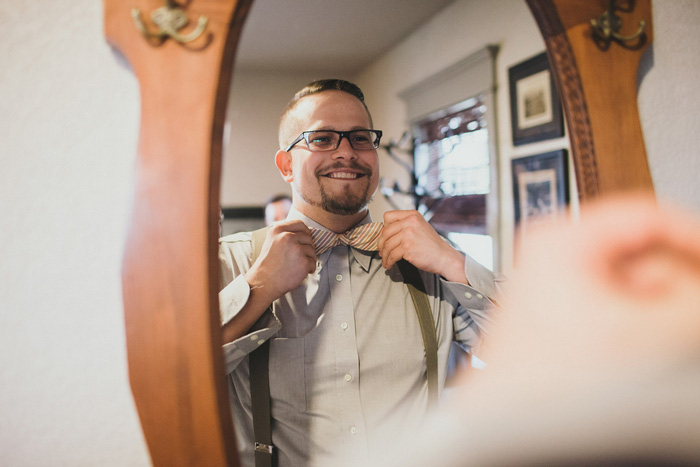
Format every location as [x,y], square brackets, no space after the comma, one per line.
[345,149]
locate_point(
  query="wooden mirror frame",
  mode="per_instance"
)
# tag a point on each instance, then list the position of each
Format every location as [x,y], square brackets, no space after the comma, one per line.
[170,270]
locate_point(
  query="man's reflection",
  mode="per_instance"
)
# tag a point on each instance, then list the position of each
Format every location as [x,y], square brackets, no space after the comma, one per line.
[347,359]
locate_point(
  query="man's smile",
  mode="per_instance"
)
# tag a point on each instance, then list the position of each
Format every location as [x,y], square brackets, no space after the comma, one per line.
[344,175]
[351,171]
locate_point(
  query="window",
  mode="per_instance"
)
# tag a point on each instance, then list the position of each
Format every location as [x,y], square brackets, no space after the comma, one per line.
[453,171]
[455,163]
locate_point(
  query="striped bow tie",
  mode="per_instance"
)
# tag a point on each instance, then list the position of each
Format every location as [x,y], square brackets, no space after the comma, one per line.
[364,237]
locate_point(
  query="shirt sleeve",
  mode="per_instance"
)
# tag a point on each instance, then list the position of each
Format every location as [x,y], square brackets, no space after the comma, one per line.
[475,307]
[236,351]
[234,260]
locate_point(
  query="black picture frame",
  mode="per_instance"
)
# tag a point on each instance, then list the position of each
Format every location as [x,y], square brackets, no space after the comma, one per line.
[540,186]
[535,108]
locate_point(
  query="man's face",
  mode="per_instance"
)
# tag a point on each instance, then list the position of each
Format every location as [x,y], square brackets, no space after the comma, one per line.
[340,181]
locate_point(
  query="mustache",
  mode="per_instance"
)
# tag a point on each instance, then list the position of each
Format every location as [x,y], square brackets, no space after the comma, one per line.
[354,165]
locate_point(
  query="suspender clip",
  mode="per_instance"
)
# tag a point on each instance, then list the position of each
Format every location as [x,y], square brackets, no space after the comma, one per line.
[266,448]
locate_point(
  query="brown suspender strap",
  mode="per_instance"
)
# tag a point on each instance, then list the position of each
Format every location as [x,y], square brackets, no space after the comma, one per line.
[259,359]
[419,296]
[260,400]
[260,383]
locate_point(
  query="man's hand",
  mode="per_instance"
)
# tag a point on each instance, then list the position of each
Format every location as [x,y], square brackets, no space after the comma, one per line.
[286,259]
[407,235]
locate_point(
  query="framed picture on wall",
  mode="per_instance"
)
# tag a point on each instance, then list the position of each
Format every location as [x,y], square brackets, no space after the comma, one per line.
[540,187]
[535,108]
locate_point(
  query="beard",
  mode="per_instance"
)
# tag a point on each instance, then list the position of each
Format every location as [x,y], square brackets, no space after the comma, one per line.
[346,203]
[349,201]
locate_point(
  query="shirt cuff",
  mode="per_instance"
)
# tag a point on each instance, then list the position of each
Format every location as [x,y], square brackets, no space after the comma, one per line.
[468,296]
[480,278]
[236,351]
[232,298]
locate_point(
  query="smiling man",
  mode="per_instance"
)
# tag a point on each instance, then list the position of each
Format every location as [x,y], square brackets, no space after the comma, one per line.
[326,296]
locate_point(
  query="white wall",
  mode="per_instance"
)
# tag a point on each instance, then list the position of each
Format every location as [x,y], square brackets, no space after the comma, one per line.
[249,175]
[69,125]
[669,102]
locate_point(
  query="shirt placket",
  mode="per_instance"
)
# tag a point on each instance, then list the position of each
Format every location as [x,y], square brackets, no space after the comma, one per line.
[346,350]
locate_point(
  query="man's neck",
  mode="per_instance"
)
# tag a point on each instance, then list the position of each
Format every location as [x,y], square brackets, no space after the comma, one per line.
[337,223]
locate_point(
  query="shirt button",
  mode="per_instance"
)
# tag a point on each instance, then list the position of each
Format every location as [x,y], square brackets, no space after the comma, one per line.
[339,277]
[479,296]
[353,430]
[468,295]
[343,326]
[348,377]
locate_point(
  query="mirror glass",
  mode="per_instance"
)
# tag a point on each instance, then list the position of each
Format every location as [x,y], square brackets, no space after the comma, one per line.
[386,48]
[391,49]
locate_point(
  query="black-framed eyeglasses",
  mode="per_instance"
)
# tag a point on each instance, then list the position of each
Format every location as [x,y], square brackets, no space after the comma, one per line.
[329,140]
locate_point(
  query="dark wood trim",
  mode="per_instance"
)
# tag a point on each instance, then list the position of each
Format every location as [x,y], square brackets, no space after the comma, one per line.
[568,82]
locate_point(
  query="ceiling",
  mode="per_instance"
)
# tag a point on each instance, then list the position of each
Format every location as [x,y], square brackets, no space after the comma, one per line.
[336,36]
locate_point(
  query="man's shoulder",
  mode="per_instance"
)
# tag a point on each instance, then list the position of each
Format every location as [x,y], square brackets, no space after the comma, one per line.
[238,237]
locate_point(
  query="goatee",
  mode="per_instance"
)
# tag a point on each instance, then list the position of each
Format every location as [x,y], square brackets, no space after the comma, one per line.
[345,203]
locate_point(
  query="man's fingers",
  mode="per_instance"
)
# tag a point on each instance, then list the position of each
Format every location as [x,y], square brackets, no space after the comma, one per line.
[310,254]
[393,216]
[290,226]
[390,250]
[397,221]
[391,258]
[399,227]
[300,233]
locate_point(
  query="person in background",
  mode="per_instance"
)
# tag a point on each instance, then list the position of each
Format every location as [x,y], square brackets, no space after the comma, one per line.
[277,208]
[347,362]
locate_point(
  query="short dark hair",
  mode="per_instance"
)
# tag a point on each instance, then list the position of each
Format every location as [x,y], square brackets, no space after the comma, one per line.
[328,85]
[316,87]
[277,197]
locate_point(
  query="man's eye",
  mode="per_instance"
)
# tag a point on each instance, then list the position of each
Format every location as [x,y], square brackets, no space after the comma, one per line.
[362,137]
[322,138]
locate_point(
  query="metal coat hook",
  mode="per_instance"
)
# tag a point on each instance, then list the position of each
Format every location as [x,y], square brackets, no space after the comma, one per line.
[169,19]
[607,27]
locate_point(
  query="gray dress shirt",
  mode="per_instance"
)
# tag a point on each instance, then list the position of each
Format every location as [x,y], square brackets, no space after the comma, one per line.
[347,363]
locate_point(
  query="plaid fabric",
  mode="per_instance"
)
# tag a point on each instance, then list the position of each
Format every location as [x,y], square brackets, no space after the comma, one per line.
[364,237]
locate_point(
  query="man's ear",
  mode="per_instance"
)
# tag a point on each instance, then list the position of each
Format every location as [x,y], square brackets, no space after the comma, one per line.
[283,161]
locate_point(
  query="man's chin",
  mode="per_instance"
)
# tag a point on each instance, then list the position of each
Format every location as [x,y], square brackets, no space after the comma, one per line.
[344,205]
[345,199]
[344,209]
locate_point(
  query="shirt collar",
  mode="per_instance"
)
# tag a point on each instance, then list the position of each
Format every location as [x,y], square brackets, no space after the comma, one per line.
[295,214]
